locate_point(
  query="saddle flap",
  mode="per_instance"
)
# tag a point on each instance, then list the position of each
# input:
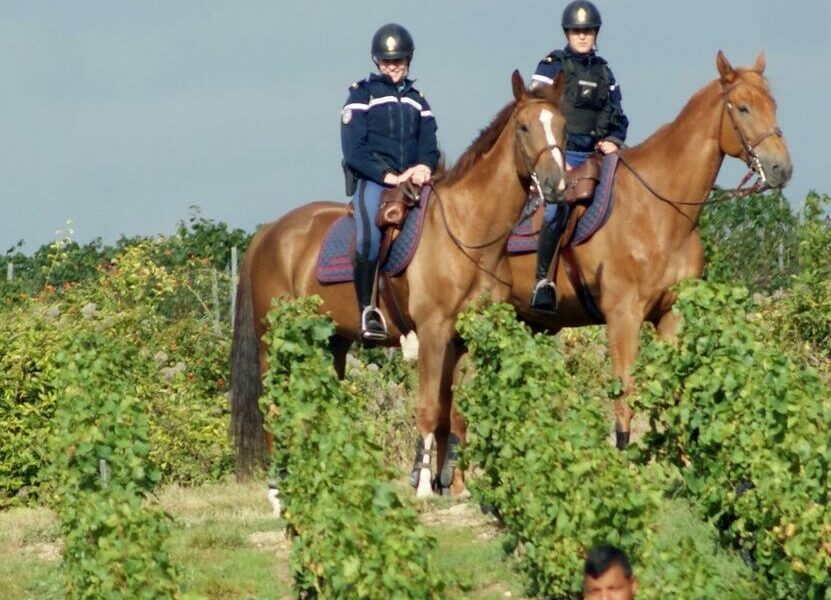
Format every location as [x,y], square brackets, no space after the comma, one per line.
[580,182]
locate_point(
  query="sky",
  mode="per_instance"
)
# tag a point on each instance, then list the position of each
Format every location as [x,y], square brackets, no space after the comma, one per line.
[121,115]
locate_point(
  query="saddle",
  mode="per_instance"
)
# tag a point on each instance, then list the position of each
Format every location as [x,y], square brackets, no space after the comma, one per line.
[395,205]
[580,182]
[393,208]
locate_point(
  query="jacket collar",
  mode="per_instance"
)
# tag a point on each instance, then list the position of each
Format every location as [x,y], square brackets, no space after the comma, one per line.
[378,78]
[584,58]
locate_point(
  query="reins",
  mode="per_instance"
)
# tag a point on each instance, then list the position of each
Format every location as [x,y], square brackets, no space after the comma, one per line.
[536,186]
[751,160]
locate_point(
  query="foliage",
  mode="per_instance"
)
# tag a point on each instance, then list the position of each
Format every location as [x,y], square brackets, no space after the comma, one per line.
[545,465]
[64,261]
[386,384]
[807,308]
[749,241]
[748,429]
[115,546]
[352,536]
[180,377]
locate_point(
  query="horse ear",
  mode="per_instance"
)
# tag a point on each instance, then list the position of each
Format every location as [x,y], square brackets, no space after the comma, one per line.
[724,68]
[519,86]
[759,66]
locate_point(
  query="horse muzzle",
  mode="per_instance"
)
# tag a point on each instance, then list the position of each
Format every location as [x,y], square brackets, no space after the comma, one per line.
[775,170]
[553,189]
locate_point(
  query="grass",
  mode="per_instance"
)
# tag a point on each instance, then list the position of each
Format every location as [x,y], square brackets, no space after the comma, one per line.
[229,546]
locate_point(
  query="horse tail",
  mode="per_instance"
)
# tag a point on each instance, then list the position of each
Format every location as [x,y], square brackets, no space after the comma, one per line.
[246,385]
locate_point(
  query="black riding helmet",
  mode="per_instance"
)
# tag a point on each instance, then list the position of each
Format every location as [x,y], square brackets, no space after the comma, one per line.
[392,42]
[581,14]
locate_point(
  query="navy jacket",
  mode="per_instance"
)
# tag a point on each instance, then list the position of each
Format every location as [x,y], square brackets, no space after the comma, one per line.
[386,129]
[548,69]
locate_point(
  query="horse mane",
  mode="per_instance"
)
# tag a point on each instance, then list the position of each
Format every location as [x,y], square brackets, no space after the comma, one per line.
[488,136]
[683,116]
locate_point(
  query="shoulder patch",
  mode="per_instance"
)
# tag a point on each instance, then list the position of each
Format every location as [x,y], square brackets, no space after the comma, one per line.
[548,59]
[421,94]
[355,85]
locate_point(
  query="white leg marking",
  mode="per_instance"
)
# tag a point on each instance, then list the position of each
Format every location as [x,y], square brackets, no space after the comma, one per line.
[425,486]
[545,118]
[409,346]
[274,500]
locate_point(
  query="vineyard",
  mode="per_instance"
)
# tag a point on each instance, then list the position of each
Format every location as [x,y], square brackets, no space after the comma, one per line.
[114,450]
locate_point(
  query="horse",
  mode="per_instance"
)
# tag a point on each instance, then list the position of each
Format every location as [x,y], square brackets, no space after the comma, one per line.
[651,241]
[461,256]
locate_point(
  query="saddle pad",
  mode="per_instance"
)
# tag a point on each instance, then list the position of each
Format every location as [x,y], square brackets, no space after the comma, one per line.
[334,262]
[524,237]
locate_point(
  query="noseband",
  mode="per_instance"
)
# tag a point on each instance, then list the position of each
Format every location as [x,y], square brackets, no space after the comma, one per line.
[751,158]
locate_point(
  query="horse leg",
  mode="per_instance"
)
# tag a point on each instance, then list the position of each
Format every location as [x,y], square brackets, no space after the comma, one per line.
[668,325]
[451,477]
[451,473]
[624,326]
[339,346]
[435,365]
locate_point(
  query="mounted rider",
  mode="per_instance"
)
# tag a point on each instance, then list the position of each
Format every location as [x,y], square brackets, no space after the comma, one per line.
[594,120]
[388,135]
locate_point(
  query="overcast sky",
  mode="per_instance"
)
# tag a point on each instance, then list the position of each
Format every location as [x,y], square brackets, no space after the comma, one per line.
[120,115]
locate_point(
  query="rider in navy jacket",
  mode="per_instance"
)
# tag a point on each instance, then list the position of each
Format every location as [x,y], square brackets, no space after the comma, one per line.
[615,131]
[594,121]
[388,135]
[387,128]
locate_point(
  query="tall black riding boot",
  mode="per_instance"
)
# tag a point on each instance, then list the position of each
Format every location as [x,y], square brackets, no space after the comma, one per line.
[544,296]
[373,327]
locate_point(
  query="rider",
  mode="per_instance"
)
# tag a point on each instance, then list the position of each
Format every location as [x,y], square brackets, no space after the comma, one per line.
[388,134]
[594,121]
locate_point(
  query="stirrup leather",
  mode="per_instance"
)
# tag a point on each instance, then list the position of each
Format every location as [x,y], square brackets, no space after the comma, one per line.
[369,334]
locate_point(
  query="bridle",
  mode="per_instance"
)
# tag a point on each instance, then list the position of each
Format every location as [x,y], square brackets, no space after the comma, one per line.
[530,165]
[536,188]
[751,159]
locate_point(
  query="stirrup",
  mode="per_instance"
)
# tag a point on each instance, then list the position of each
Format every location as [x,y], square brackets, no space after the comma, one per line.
[374,334]
[539,301]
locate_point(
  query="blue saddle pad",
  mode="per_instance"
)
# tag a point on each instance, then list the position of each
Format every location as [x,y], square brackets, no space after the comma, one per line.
[524,237]
[334,262]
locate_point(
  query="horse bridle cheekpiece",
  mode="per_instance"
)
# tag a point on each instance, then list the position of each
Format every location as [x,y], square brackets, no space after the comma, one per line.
[751,158]
[530,165]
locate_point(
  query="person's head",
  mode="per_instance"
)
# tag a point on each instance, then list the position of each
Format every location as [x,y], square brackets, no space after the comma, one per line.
[392,51]
[608,575]
[581,22]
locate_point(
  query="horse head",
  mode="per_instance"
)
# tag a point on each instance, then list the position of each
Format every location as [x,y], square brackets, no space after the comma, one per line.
[540,131]
[749,128]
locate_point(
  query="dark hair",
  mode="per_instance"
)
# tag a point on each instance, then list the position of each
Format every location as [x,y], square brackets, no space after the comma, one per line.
[603,557]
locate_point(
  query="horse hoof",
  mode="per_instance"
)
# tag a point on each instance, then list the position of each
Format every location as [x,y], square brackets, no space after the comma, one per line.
[425,484]
[423,494]
[621,439]
[274,500]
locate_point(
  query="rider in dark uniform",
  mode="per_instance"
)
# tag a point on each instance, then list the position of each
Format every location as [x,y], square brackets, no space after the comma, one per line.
[594,121]
[388,134]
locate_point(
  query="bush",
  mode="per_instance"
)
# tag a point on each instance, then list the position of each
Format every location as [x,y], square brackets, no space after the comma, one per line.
[748,429]
[115,545]
[545,463]
[180,374]
[352,536]
[749,241]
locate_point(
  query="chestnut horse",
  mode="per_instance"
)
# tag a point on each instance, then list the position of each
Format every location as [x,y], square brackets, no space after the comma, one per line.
[461,256]
[651,241]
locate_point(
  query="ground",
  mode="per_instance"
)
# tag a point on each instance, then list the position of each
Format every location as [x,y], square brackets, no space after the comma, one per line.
[230,546]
